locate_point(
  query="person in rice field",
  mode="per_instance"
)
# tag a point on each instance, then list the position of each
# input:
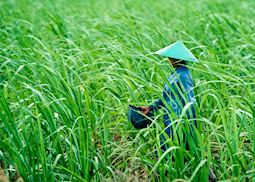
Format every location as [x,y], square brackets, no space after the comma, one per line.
[178,93]
[178,90]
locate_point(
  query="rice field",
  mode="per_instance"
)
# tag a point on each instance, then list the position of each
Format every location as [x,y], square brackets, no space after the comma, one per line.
[69,69]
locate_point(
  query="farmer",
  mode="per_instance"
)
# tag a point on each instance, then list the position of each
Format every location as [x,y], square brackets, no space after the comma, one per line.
[178,94]
[178,91]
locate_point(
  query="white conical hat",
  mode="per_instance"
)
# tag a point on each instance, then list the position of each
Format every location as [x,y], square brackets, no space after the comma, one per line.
[177,50]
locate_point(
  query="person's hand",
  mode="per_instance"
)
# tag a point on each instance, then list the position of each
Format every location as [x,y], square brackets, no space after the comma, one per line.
[145,109]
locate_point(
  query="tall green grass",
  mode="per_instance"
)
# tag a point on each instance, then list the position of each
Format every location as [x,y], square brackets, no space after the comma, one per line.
[69,69]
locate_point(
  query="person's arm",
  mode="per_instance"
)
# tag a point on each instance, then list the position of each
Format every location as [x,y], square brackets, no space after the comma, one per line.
[155,106]
[158,104]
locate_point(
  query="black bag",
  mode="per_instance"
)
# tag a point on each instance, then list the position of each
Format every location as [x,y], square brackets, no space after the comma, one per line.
[137,118]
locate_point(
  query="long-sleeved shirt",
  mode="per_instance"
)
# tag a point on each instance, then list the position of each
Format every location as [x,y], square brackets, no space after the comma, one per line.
[177,93]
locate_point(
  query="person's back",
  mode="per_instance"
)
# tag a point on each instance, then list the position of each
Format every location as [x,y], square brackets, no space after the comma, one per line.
[178,94]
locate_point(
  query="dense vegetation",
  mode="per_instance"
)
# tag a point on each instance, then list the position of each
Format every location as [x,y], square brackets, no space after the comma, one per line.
[68,70]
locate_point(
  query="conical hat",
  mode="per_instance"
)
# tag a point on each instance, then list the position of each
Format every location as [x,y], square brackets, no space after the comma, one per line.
[177,50]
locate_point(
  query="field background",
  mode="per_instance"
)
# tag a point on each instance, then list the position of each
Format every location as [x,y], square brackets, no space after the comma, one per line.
[68,70]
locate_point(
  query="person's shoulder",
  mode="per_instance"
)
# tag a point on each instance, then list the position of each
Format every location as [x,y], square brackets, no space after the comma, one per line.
[183,70]
[184,73]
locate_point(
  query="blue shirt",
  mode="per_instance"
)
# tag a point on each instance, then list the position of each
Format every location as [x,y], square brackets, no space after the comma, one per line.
[178,92]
